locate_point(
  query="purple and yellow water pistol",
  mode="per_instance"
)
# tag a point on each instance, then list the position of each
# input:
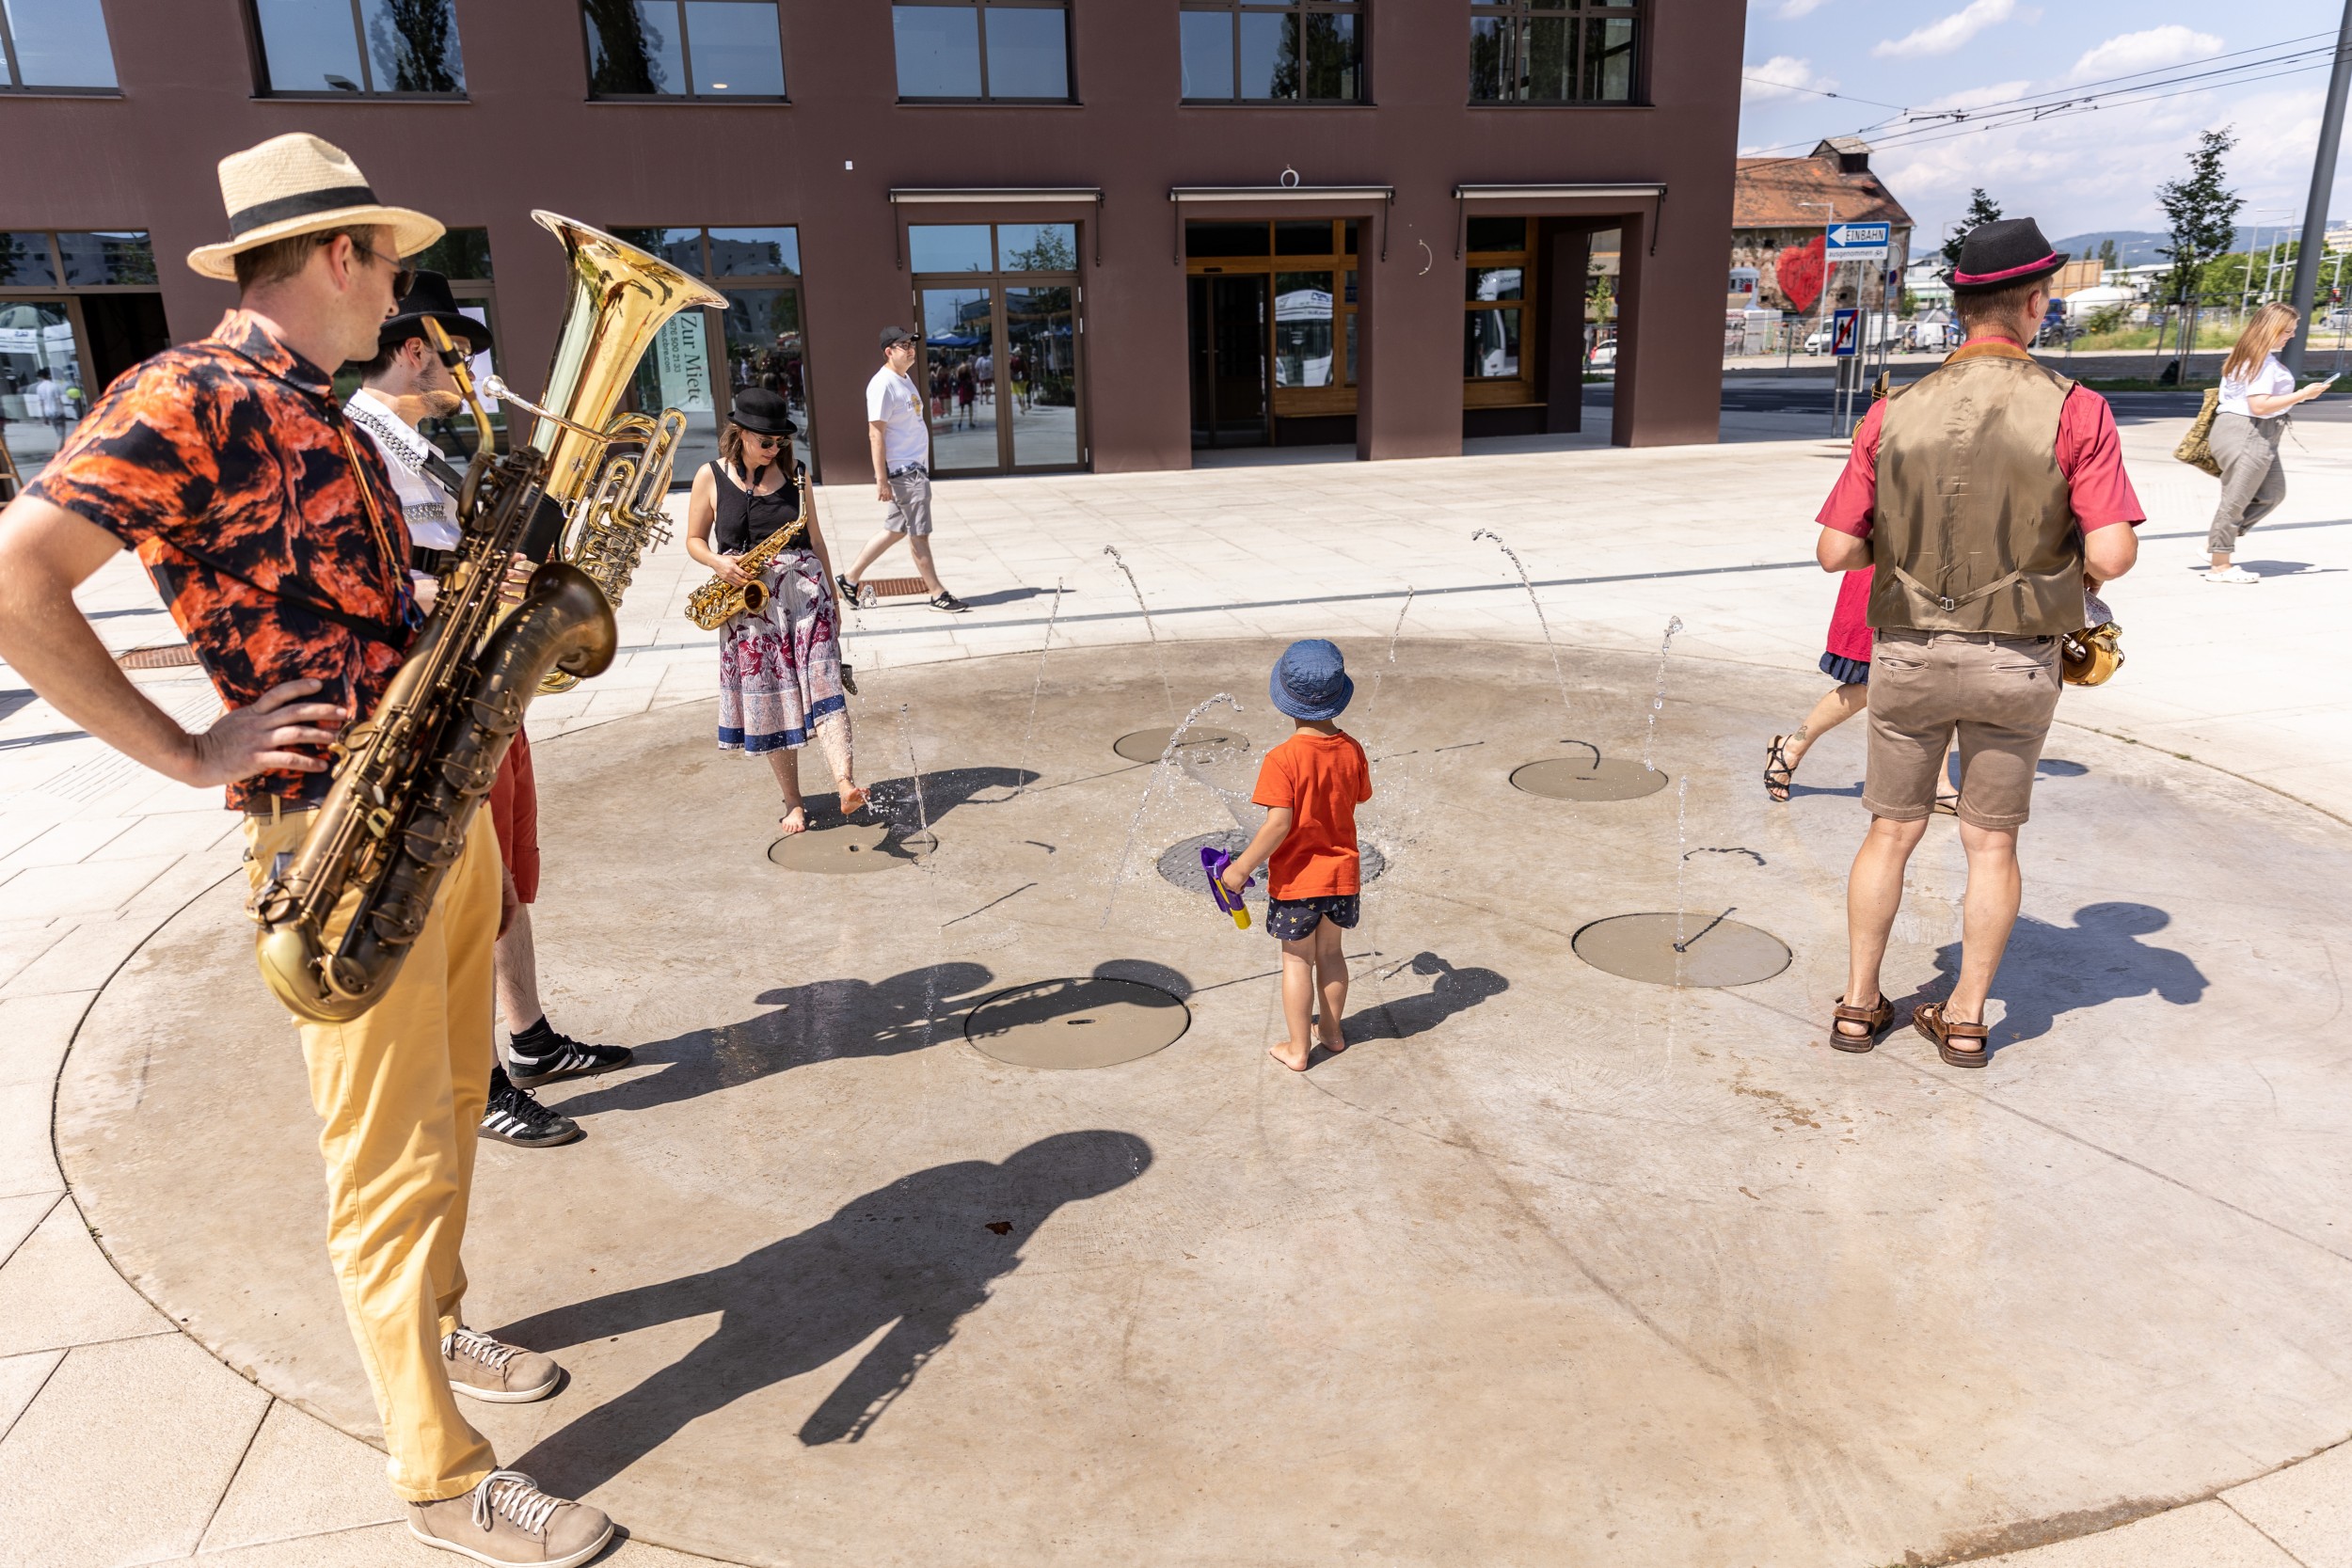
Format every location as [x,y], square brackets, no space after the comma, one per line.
[1213,861]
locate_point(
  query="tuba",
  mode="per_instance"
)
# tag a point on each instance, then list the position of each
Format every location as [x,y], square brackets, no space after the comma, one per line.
[620,298]
[409,776]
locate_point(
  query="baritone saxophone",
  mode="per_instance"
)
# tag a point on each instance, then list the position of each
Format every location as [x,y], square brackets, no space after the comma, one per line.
[409,777]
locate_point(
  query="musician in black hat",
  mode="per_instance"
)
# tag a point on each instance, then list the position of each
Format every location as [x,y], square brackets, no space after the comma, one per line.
[1989,495]
[403,386]
[780,679]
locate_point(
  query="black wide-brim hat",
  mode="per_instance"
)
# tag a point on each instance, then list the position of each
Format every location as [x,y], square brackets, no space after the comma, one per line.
[429,299]
[762,412]
[2005,251]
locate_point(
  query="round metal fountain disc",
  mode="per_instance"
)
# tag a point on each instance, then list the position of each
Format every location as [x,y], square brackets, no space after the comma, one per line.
[1576,779]
[1147,745]
[1180,863]
[1641,947]
[844,849]
[1078,1023]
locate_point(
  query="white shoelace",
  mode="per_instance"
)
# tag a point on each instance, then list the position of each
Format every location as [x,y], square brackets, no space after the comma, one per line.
[518,1497]
[478,1347]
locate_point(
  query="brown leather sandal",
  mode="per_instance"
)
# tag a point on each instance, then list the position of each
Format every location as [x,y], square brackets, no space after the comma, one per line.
[1876,1019]
[1928,1018]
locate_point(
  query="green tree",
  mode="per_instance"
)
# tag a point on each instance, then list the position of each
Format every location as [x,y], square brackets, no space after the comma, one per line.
[2201,213]
[1051,251]
[1982,210]
[2107,255]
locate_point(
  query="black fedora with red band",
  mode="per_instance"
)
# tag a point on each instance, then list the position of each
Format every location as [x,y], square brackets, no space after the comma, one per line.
[2005,251]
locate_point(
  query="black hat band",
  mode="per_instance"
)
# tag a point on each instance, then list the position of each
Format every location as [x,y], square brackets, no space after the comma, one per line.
[263,214]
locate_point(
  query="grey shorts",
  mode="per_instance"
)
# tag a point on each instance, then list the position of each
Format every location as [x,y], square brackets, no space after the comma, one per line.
[910,503]
[1998,692]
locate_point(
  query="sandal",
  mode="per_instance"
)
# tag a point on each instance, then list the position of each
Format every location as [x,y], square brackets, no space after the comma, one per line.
[1945,805]
[1776,762]
[1928,1018]
[1877,1020]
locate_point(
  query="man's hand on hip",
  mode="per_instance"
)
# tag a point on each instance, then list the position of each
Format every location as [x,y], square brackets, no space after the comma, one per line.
[258,738]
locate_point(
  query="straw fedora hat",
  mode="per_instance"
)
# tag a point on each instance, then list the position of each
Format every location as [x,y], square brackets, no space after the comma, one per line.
[299,184]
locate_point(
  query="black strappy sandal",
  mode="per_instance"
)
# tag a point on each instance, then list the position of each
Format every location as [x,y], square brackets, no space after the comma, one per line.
[1777,761]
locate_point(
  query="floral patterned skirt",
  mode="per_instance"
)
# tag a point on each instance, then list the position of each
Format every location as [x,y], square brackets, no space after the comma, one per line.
[780,669]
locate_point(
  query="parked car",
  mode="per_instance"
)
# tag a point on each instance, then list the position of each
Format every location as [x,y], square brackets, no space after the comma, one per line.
[1932,337]
[1817,340]
[1604,357]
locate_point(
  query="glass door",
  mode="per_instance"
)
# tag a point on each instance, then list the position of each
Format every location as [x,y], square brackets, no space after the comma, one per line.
[1041,376]
[1230,360]
[45,391]
[957,374]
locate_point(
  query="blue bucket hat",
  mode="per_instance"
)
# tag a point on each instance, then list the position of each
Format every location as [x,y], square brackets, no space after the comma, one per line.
[1309,681]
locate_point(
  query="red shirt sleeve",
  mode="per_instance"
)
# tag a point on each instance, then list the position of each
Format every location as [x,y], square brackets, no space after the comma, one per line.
[1277,789]
[2091,455]
[1854,500]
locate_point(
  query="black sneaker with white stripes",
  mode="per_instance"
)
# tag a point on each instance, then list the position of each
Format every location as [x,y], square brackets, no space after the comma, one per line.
[540,1055]
[511,1117]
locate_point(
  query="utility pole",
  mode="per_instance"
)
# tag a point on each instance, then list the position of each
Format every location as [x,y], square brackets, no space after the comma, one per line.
[2323,185]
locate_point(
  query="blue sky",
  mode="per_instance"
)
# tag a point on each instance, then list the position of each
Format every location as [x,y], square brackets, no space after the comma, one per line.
[2075,173]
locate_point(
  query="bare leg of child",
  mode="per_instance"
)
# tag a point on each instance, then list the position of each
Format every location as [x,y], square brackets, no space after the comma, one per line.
[1299,997]
[786,764]
[1331,985]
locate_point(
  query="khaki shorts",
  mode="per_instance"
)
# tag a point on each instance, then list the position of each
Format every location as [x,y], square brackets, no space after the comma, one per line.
[910,503]
[1999,692]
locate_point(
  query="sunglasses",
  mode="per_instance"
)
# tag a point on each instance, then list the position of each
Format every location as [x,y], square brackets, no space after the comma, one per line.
[404,278]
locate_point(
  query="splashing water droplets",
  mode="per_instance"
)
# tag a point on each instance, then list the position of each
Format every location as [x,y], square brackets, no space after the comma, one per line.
[1020,773]
[1549,646]
[1658,697]
[1159,770]
[1168,692]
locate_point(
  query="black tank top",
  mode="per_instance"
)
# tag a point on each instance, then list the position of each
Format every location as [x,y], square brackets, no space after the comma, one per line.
[745,519]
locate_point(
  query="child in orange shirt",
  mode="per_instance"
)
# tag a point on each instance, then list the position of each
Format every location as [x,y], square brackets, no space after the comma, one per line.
[1311,786]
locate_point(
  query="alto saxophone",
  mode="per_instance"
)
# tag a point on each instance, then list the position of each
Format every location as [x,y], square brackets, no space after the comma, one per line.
[409,777]
[719,601]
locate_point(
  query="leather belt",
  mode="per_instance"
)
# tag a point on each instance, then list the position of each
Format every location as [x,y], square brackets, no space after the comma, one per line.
[311,797]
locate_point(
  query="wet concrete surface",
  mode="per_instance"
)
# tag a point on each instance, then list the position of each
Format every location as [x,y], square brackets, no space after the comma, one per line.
[1552,1266]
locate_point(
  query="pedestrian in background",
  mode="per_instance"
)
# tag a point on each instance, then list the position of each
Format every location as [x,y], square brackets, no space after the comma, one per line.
[2257,389]
[901,444]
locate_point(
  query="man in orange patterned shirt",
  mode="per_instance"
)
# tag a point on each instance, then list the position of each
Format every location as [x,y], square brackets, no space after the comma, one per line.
[275,536]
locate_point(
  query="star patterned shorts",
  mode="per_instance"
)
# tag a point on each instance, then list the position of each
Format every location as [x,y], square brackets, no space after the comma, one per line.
[1290,919]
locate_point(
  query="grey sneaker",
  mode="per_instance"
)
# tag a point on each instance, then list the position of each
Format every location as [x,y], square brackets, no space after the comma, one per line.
[480,1368]
[508,1520]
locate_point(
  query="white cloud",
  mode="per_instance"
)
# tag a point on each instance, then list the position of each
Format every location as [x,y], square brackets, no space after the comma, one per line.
[2128,53]
[1946,34]
[1791,10]
[1782,76]
[1977,98]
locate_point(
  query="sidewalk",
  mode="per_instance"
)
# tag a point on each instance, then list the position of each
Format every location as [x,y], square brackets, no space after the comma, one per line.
[123,1442]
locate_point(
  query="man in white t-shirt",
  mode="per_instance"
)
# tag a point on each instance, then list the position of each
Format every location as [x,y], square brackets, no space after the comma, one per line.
[900,440]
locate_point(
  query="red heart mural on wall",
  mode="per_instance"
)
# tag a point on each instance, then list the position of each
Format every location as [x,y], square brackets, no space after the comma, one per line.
[1799,271]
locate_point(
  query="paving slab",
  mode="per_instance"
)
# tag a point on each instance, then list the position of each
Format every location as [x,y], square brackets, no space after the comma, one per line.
[2306,1508]
[2204,1535]
[301,1477]
[1633,1257]
[391,1546]
[123,1456]
[56,1289]
[21,1378]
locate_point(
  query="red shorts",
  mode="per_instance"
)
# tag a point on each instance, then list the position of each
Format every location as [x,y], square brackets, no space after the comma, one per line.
[515,811]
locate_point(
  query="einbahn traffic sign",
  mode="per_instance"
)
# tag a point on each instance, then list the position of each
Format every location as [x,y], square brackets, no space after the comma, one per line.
[1857,242]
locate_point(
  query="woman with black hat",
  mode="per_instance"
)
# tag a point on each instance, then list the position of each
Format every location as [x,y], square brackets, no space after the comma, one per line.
[780,678]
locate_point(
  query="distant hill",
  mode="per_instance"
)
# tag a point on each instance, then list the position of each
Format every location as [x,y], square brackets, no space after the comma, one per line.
[2136,247]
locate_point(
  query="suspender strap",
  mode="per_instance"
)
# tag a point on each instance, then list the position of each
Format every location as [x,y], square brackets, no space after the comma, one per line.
[1946,602]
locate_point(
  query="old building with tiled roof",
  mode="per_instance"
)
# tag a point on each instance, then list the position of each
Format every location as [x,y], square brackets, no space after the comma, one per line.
[1780,209]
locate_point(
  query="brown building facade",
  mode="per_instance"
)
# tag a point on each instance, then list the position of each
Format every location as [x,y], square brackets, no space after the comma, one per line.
[1781,207]
[1127,228]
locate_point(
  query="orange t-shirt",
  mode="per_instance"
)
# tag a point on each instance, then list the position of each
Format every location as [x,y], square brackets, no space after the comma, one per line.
[1322,779]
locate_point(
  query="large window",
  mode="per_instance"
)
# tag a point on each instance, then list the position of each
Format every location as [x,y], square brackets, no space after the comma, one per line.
[1256,52]
[684,49]
[76,310]
[1499,314]
[1554,51]
[999,308]
[982,49]
[55,45]
[359,46]
[702,359]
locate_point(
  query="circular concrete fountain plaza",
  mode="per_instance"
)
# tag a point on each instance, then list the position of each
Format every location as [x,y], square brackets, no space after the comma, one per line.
[954,1213]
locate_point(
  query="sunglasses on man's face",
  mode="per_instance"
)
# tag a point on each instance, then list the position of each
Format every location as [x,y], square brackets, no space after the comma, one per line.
[404,278]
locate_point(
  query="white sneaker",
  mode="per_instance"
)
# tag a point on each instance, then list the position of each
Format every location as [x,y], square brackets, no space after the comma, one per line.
[2232,572]
[507,1519]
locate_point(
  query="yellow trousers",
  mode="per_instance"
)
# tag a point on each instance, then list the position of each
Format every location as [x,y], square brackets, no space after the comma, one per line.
[400,1090]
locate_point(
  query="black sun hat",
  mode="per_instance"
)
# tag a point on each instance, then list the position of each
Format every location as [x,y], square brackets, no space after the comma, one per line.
[762,412]
[429,299]
[2005,251]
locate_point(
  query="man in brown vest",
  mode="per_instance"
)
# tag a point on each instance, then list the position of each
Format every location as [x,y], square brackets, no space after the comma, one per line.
[1986,495]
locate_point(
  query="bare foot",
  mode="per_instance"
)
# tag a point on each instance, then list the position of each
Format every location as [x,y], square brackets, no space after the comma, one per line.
[794,821]
[1334,1047]
[1282,1053]
[853,800]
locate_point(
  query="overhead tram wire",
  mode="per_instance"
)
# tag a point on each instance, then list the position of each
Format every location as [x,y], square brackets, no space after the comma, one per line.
[2016,120]
[2021,109]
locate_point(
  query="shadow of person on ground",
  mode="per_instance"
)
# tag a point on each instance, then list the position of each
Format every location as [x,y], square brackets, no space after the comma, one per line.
[2287,568]
[1455,991]
[822,1020]
[914,1258]
[2051,970]
[895,802]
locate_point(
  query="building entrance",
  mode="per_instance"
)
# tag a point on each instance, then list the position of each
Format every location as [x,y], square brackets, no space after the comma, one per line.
[1229,402]
[76,310]
[1001,364]
[1272,318]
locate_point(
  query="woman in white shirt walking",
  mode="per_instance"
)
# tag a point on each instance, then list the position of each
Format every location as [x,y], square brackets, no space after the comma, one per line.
[2256,392]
